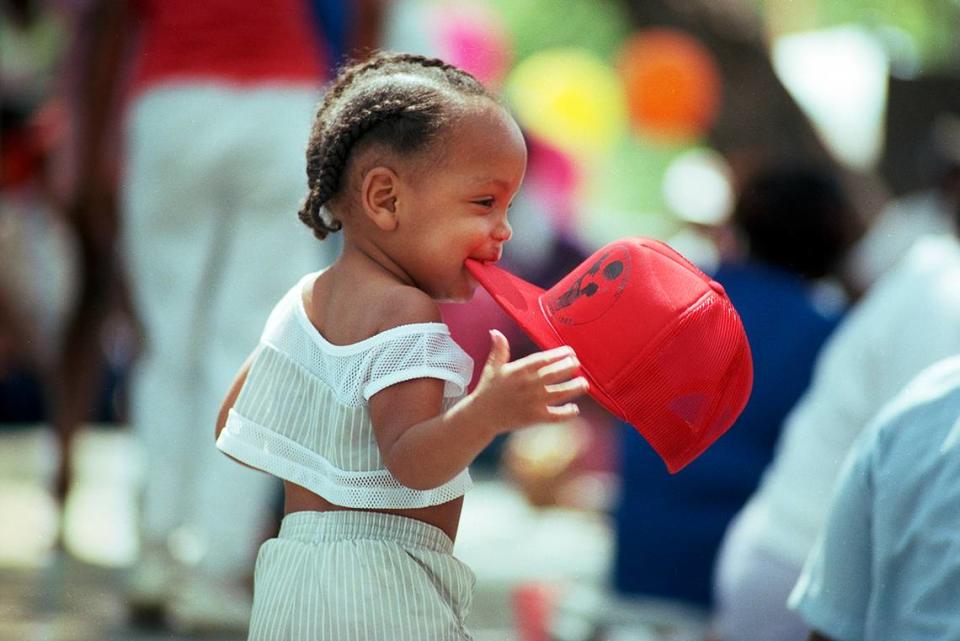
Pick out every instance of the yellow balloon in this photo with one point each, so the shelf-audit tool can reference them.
(569, 97)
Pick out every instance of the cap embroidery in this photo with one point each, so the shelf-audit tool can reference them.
(602, 284)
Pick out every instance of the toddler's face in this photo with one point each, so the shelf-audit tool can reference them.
(458, 210)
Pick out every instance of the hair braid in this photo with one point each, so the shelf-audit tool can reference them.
(363, 103)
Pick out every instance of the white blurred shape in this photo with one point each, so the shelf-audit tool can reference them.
(187, 545)
(696, 247)
(28, 512)
(38, 267)
(28, 526)
(697, 187)
(838, 77)
(100, 515)
(407, 27)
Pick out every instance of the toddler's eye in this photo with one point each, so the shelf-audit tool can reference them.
(484, 202)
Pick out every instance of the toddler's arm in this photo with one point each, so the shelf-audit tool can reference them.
(424, 448)
(231, 398)
(232, 393)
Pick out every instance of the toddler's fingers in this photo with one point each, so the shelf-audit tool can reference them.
(540, 359)
(558, 371)
(499, 349)
(563, 412)
(566, 391)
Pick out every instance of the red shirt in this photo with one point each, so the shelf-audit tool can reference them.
(236, 41)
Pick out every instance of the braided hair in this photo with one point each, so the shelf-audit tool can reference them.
(398, 100)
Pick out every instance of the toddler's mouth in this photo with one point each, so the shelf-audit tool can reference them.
(490, 258)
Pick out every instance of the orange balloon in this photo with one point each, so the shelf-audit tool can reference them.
(672, 83)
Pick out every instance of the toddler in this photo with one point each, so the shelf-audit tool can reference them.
(355, 395)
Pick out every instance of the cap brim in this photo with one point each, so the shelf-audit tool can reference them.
(519, 299)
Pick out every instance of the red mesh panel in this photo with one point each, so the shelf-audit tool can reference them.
(688, 389)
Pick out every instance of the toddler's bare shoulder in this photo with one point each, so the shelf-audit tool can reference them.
(406, 305)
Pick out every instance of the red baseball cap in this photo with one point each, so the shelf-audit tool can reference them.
(658, 340)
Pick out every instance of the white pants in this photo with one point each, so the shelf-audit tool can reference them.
(359, 576)
(214, 179)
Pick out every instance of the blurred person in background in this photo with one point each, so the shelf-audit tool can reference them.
(906, 321)
(885, 566)
(792, 227)
(217, 112)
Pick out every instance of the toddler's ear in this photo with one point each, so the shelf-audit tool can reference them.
(378, 194)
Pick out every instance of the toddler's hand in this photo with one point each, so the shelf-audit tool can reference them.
(533, 389)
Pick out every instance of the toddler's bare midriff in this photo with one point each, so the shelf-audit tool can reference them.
(445, 516)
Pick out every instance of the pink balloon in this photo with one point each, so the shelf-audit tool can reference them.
(474, 39)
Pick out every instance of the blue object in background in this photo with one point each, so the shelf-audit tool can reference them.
(22, 398)
(332, 19)
(24, 401)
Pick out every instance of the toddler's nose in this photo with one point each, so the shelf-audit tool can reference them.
(503, 232)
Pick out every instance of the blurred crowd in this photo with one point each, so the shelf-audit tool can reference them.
(150, 148)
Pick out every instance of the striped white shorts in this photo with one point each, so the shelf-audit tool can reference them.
(360, 576)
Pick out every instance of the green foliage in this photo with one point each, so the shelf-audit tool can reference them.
(597, 25)
(933, 25)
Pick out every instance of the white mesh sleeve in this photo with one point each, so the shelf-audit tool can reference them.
(420, 355)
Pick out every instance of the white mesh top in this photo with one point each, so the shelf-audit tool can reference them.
(302, 413)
